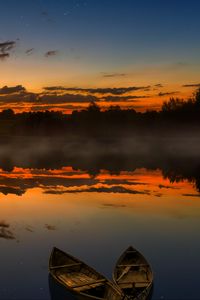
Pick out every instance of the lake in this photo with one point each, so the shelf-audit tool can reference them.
(95, 215)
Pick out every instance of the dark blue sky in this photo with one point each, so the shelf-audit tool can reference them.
(144, 28)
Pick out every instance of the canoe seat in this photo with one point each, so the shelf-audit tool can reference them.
(134, 283)
(89, 287)
(141, 284)
(132, 265)
(88, 283)
(65, 266)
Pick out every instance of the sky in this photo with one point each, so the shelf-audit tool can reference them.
(62, 54)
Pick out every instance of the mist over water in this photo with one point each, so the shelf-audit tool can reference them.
(176, 156)
(24, 151)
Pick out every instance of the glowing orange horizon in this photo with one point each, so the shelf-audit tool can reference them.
(150, 100)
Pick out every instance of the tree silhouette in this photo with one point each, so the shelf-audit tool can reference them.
(197, 97)
(93, 108)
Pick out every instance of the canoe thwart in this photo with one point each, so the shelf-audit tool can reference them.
(132, 265)
(65, 266)
(88, 283)
(136, 282)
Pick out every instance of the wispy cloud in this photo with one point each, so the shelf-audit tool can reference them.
(161, 186)
(29, 228)
(114, 91)
(50, 227)
(5, 190)
(161, 94)
(192, 85)
(123, 98)
(51, 53)
(5, 49)
(3, 224)
(4, 55)
(46, 16)
(44, 13)
(29, 51)
(66, 98)
(10, 90)
(111, 75)
(191, 195)
(20, 94)
(158, 85)
(122, 181)
(112, 205)
(113, 189)
(7, 46)
(5, 232)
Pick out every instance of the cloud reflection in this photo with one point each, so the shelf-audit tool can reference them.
(5, 231)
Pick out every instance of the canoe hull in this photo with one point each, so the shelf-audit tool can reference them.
(133, 275)
(80, 279)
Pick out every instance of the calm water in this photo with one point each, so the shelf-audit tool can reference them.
(95, 217)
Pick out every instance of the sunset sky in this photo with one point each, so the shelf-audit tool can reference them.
(63, 54)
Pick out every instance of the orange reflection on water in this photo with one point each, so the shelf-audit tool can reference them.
(141, 181)
(50, 200)
(138, 183)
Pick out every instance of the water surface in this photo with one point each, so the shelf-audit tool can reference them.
(95, 218)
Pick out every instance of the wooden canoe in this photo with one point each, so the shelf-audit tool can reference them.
(133, 275)
(80, 279)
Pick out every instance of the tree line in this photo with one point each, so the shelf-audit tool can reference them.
(176, 114)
